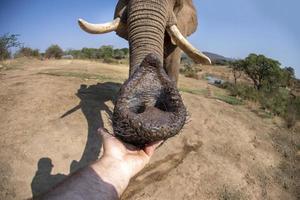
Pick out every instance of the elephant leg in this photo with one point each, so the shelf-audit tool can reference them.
(172, 64)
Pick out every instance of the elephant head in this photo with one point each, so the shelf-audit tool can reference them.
(149, 107)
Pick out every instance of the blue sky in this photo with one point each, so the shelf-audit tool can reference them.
(233, 28)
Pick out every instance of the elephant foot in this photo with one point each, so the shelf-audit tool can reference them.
(149, 107)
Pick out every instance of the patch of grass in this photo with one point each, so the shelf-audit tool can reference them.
(263, 113)
(11, 66)
(194, 91)
(82, 75)
(190, 71)
(229, 99)
(204, 92)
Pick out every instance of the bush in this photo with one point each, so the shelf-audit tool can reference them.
(189, 71)
(292, 114)
(54, 51)
(110, 61)
(28, 52)
(241, 90)
(279, 102)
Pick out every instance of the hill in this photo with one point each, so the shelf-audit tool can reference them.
(216, 58)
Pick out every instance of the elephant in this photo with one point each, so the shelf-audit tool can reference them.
(149, 107)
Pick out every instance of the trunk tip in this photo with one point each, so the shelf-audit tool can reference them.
(152, 60)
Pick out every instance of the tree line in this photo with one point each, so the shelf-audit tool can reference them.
(8, 41)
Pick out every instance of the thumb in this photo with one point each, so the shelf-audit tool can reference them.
(149, 149)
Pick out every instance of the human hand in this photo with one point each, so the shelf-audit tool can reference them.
(121, 161)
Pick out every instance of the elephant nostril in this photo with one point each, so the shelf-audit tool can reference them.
(141, 109)
(161, 106)
(138, 109)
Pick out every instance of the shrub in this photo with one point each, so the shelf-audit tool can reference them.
(229, 99)
(241, 90)
(110, 61)
(279, 102)
(54, 51)
(189, 71)
(292, 114)
(27, 52)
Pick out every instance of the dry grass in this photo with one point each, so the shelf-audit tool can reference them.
(84, 76)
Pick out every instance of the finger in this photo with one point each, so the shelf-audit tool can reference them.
(149, 149)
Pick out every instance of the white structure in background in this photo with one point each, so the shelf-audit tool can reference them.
(70, 57)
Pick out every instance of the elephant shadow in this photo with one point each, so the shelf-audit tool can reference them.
(92, 102)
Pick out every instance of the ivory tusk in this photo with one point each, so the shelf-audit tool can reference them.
(99, 28)
(186, 46)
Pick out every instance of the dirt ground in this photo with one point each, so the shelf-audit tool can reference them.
(50, 111)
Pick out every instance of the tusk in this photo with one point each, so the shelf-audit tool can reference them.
(99, 28)
(186, 46)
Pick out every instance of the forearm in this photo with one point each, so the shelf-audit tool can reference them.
(113, 172)
(108, 177)
(85, 184)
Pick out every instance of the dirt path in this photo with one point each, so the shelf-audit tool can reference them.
(50, 111)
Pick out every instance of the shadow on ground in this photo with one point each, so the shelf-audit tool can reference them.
(92, 102)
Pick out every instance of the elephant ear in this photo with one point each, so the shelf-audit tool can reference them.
(186, 16)
(121, 11)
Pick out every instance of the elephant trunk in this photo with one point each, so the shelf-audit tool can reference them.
(147, 21)
(149, 107)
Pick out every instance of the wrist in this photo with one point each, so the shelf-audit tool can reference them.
(113, 172)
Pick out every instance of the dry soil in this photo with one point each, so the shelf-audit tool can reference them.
(50, 111)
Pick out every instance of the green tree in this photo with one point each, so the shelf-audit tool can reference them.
(86, 53)
(288, 77)
(27, 52)
(236, 69)
(119, 54)
(54, 51)
(125, 51)
(106, 51)
(75, 53)
(261, 70)
(291, 71)
(8, 41)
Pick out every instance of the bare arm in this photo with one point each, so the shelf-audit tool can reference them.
(108, 177)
